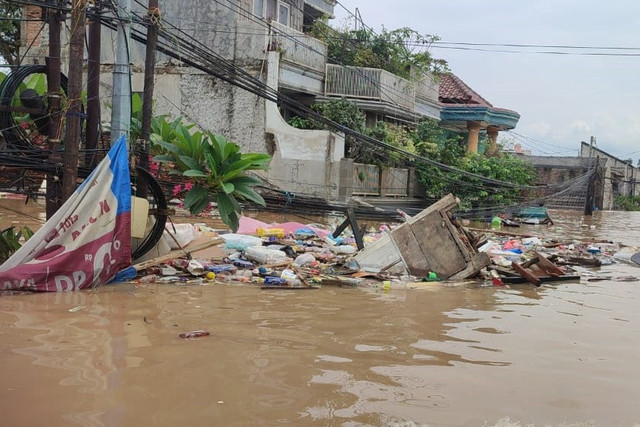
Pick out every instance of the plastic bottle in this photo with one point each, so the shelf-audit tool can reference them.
(289, 275)
(270, 232)
(149, 278)
(274, 281)
(496, 222)
(167, 279)
(220, 268)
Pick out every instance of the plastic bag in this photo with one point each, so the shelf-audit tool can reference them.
(183, 235)
(240, 242)
(264, 255)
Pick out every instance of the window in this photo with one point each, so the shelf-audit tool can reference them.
(283, 13)
(258, 8)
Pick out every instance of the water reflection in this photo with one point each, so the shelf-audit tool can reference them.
(438, 355)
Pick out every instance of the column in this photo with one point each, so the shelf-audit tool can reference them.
(472, 138)
(492, 133)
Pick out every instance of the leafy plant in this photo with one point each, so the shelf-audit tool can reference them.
(215, 166)
(10, 240)
(10, 31)
(300, 122)
(400, 51)
(627, 203)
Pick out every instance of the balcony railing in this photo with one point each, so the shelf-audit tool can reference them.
(369, 83)
(298, 48)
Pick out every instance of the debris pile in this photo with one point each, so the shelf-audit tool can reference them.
(431, 246)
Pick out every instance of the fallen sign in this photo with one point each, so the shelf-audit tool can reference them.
(427, 242)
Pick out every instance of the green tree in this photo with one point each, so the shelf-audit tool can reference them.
(10, 31)
(216, 168)
(402, 51)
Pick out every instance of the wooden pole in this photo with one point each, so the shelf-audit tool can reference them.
(153, 18)
(74, 98)
(591, 188)
(93, 90)
(54, 188)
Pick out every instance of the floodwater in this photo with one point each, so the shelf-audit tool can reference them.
(563, 354)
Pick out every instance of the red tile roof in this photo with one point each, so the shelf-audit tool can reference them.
(455, 91)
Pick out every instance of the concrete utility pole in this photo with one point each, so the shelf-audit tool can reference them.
(153, 18)
(54, 188)
(121, 99)
(74, 98)
(93, 89)
(591, 187)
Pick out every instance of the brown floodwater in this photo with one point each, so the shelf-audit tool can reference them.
(442, 355)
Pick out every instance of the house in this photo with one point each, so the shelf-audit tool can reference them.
(465, 111)
(620, 177)
(263, 40)
(567, 178)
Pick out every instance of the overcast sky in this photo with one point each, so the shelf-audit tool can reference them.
(562, 99)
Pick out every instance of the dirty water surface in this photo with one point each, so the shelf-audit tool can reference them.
(442, 355)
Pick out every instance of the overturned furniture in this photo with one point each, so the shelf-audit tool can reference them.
(427, 242)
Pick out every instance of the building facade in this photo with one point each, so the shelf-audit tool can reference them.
(264, 41)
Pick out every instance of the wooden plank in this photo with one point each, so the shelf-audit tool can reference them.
(543, 279)
(526, 274)
(503, 271)
(455, 234)
(445, 204)
(410, 250)
(178, 253)
(548, 266)
(438, 245)
(477, 263)
(499, 233)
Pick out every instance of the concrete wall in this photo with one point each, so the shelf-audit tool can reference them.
(562, 176)
(304, 161)
(620, 177)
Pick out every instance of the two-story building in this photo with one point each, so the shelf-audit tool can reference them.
(265, 39)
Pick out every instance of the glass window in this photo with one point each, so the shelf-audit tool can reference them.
(258, 8)
(283, 13)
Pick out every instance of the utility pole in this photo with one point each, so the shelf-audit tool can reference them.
(93, 88)
(153, 20)
(121, 99)
(54, 189)
(591, 187)
(74, 98)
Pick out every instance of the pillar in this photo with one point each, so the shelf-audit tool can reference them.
(472, 138)
(492, 133)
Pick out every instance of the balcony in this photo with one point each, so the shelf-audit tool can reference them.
(370, 84)
(297, 48)
(302, 59)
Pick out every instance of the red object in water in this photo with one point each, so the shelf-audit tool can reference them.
(194, 334)
(497, 281)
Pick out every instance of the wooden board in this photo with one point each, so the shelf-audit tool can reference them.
(438, 245)
(526, 274)
(548, 266)
(178, 253)
(407, 244)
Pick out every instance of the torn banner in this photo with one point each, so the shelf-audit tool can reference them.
(87, 241)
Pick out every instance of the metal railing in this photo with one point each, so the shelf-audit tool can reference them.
(369, 83)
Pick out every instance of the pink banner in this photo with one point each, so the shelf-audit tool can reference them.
(86, 242)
